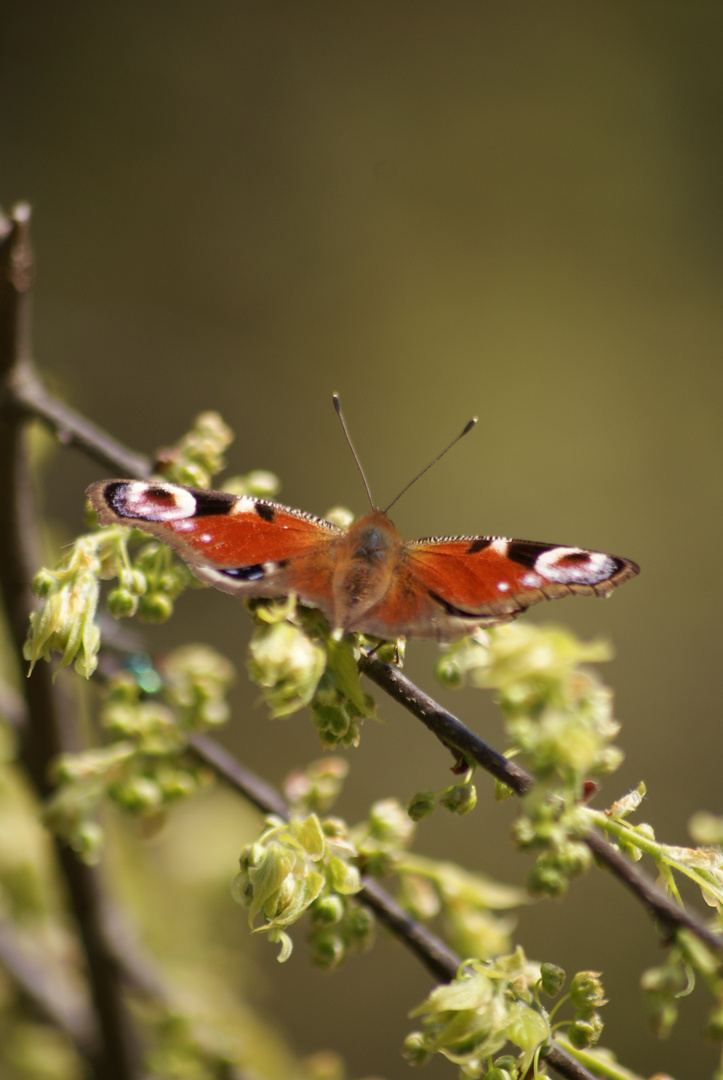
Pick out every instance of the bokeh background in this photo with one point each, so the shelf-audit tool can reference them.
(505, 209)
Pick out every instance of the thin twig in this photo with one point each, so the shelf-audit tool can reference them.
(660, 906)
(441, 962)
(25, 393)
(448, 729)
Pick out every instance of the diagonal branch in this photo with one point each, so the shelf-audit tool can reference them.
(448, 729)
(441, 962)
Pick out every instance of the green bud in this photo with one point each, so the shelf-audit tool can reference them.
(523, 832)
(191, 475)
(586, 991)
(460, 799)
(669, 979)
(358, 927)
(88, 841)
(448, 671)
(415, 1049)
(421, 805)
(262, 484)
(43, 582)
(122, 603)
(389, 823)
(327, 949)
(585, 1031)
(378, 863)
(328, 910)
(574, 859)
(546, 880)
(552, 979)
(139, 794)
(155, 607)
(176, 783)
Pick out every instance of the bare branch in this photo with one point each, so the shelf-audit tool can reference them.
(50, 728)
(448, 729)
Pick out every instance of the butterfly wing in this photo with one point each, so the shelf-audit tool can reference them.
(445, 587)
(245, 546)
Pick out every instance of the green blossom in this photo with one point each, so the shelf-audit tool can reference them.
(488, 1004)
(292, 866)
(65, 624)
(286, 664)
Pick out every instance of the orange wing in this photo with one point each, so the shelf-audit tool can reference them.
(445, 587)
(241, 545)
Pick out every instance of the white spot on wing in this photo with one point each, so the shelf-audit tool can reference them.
(245, 504)
(591, 569)
(139, 503)
(499, 545)
(503, 586)
(531, 581)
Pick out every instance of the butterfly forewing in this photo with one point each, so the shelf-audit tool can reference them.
(488, 578)
(240, 544)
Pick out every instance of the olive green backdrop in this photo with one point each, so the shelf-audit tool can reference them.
(437, 209)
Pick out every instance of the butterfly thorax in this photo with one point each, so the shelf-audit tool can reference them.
(364, 567)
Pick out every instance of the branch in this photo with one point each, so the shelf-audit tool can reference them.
(660, 906)
(448, 729)
(51, 721)
(46, 984)
(442, 963)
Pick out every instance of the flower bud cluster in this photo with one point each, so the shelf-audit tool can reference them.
(198, 456)
(66, 622)
(587, 996)
(304, 865)
(296, 661)
(383, 837)
(460, 799)
(558, 714)
(469, 1020)
(145, 766)
(559, 718)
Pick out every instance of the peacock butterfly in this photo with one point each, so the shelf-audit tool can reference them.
(365, 578)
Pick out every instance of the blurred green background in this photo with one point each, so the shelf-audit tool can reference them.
(505, 209)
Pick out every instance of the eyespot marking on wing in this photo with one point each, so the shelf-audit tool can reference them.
(576, 566)
(156, 502)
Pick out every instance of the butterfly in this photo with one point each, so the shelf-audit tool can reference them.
(365, 578)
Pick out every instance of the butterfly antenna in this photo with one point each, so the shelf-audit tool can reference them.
(467, 427)
(340, 414)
